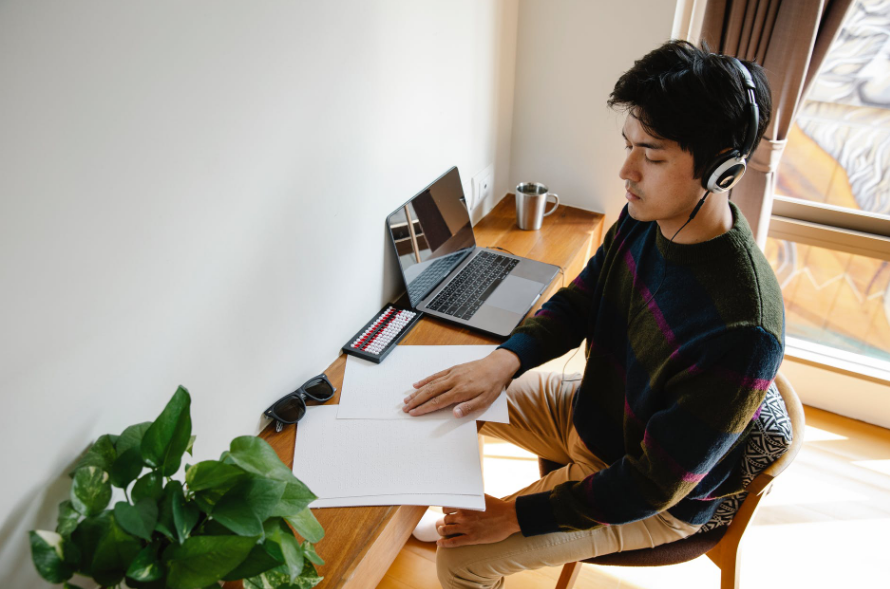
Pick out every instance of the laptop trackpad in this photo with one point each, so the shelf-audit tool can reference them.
(514, 294)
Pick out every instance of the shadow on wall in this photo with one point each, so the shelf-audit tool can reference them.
(38, 510)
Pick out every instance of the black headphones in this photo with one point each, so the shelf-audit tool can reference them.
(728, 168)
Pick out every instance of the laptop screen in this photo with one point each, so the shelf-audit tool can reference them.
(432, 234)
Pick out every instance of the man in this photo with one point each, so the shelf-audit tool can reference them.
(684, 324)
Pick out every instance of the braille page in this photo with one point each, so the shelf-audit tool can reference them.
(377, 391)
(474, 502)
(365, 457)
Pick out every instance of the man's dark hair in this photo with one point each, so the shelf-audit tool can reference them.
(694, 97)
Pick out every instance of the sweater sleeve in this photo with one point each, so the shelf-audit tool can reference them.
(712, 398)
(561, 324)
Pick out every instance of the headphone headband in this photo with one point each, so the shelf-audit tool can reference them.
(727, 169)
(753, 111)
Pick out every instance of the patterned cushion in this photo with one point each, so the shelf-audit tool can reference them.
(769, 439)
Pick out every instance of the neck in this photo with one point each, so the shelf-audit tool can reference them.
(712, 220)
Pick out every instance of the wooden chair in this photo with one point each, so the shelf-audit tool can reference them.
(723, 544)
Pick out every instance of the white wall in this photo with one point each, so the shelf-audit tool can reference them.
(569, 55)
(184, 188)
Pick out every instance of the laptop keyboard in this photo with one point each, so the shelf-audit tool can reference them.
(467, 292)
(431, 277)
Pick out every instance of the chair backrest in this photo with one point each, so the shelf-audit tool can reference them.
(756, 489)
(796, 415)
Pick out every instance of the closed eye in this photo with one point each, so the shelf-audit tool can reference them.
(629, 147)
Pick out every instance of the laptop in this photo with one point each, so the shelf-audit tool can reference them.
(448, 276)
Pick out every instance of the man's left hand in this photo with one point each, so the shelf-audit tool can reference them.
(496, 523)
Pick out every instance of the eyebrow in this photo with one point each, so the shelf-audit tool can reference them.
(645, 144)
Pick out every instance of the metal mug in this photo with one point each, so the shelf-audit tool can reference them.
(531, 197)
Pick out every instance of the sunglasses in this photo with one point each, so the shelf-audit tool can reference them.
(291, 408)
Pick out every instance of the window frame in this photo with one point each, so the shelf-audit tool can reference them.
(830, 227)
(841, 229)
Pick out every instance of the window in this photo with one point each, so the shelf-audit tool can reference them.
(830, 231)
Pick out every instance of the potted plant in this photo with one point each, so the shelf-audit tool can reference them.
(231, 519)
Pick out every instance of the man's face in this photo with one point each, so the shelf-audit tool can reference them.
(658, 177)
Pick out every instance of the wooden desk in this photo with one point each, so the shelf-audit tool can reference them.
(360, 543)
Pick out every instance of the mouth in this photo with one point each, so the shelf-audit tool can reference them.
(629, 195)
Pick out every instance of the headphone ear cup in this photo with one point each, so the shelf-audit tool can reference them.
(725, 172)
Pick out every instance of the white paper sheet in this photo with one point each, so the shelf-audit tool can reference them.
(377, 391)
(474, 502)
(365, 458)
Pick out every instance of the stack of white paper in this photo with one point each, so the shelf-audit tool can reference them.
(374, 462)
(367, 451)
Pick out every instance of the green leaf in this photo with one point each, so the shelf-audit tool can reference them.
(309, 552)
(257, 562)
(281, 544)
(67, 585)
(202, 560)
(306, 525)
(166, 439)
(101, 454)
(190, 445)
(138, 519)
(48, 554)
(256, 456)
(185, 516)
(208, 498)
(294, 500)
(308, 578)
(126, 468)
(212, 473)
(146, 566)
(68, 519)
(244, 508)
(114, 553)
(279, 578)
(131, 437)
(149, 485)
(211, 527)
(86, 537)
(165, 524)
(91, 490)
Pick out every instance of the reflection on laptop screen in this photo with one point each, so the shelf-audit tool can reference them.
(432, 234)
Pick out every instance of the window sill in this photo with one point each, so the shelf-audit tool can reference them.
(834, 360)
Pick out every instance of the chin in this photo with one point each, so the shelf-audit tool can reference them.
(635, 213)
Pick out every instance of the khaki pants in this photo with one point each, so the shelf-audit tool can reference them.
(541, 422)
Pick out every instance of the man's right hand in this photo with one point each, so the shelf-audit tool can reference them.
(472, 386)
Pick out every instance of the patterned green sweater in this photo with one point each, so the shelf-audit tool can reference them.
(672, 381)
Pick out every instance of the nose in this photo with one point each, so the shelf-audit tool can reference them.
(630, 170)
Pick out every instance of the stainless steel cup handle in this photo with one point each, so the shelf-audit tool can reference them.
(555, 204)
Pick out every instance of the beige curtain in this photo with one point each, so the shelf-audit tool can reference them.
(789, 38)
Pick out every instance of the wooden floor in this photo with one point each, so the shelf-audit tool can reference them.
(825, 524)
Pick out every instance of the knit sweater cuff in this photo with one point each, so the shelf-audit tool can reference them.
(535, 514)
(526, 348)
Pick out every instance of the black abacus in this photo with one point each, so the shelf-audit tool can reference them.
(381, 334)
